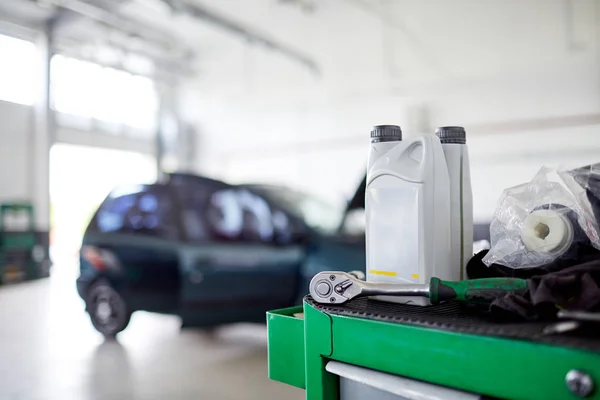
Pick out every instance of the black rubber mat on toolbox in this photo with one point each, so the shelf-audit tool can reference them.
(458, 317)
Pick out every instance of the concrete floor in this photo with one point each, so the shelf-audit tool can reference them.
(49, 350)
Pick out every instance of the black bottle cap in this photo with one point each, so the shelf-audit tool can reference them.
(452, 134)
(386, 133)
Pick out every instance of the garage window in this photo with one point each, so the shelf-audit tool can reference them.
(91, 91)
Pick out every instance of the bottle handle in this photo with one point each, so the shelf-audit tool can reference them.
(416, 152)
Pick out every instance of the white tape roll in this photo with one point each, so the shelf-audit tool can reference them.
(547, 231)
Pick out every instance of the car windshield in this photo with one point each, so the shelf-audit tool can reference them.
(316, 213)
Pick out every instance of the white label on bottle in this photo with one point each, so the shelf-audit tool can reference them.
(393, 232)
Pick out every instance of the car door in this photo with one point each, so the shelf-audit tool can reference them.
(137, 230)
(237, 262)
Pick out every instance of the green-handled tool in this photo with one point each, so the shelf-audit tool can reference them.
(338, 287)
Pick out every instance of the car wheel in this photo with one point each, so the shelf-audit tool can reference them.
(107, 309)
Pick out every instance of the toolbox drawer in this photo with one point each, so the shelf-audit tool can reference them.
(286, 346)
(362, 383)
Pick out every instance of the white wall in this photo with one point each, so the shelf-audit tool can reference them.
(522, 77)
(16, 123)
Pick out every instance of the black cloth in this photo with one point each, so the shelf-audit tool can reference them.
(477, 269)
(569, 284)
(588, 178)
(593, 195)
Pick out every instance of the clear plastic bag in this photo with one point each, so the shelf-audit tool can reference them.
(536, 223)
(584, 185)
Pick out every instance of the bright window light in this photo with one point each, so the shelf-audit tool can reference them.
(17, 68)
(89, 90)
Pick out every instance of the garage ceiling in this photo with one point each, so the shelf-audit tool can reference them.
(355, 43)
(400, 42)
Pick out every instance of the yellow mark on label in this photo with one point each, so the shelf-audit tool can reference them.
(415, 276)
(386, 273)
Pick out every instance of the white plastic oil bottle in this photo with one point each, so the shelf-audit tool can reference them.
(407, 211)
(454, 143)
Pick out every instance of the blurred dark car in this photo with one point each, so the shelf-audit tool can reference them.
(210, 252)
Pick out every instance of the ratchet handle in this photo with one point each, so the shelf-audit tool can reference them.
(482, 291)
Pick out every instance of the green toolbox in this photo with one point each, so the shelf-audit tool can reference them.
(18, 244)
(376, 350)
(286, 346)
